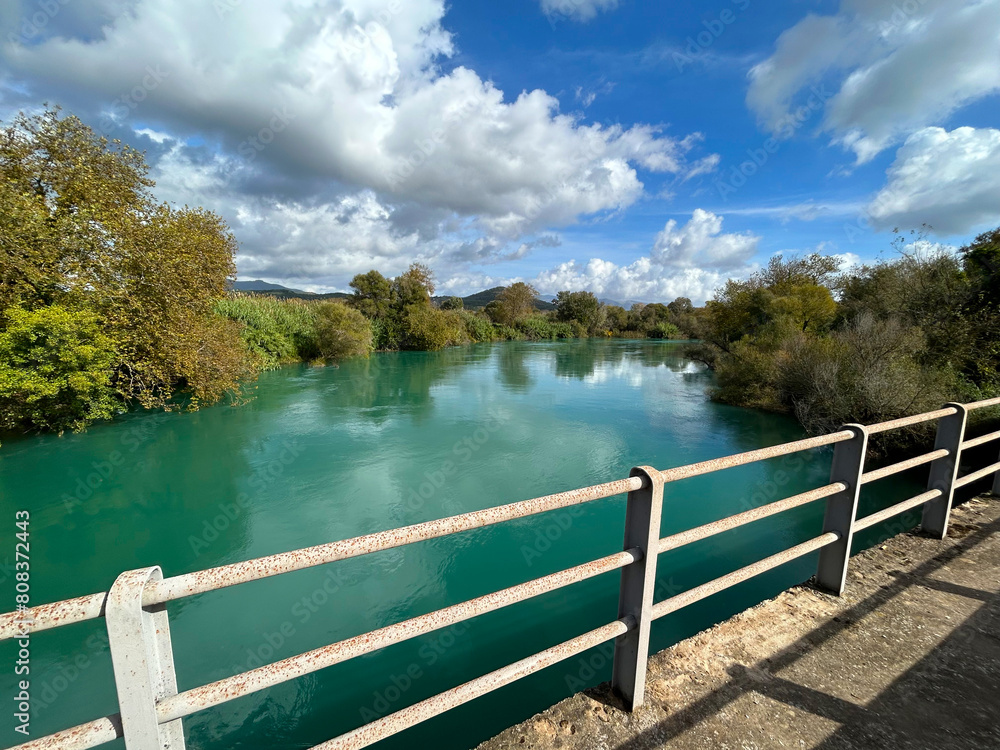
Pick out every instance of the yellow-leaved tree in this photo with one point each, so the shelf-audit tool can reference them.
(81, 231)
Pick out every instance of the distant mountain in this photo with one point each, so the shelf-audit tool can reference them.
(627, 304)
(479, 300)
(281, 292)
(476, 301)
(262, 286)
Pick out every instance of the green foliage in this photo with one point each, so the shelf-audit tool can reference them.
(543, 328)
(372, 295)
(746, 377)
(616, 319)
(380, 335)
(414, 287)
(664, 330)
(514, 304)
(582, 308)
(869, 371)
(429, 329)
(453, 303)
(55, 370)
(907, 335)
(275, 331)
(342, 331)
(478, 327)
(81, 231)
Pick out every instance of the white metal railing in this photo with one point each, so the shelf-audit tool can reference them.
(152, 710)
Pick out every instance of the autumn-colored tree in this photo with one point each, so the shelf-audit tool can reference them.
(413, 287)
(342, 331)
(79, 228)
(516, 302)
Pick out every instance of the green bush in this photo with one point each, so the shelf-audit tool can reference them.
(507, 333)
(55, 370)
(426, 328)
(478, 327)
(542, 328)
(275, 331)
(664, 331)
(342, 331)
(746, 376)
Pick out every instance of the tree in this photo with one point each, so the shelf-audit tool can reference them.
(413, 287)
(515, 303)
(428, 329)
(981, 262)
(581, 307)
(372, 294)
(55, 370)
(342, 331)
(681, 306)
(80, 229)
(66, 196)
(924, 289)
(616, 317)
(453, 303)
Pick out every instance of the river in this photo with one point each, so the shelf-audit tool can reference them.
(321, 454)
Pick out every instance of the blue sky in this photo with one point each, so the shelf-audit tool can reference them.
(643, 150)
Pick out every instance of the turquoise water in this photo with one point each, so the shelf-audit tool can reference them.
(322, 454)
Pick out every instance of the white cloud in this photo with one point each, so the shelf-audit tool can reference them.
(894, 67)
(686, 261)
(701, 244)
(949, 180)
(348, 90)
(331, 121)
(577, 10)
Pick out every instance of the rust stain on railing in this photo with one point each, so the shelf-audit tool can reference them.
(265, 567)
(888, 471)
(198, 699)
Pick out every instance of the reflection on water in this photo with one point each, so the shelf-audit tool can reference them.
(330, 453)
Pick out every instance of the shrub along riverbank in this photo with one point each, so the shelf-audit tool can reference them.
(871, 344)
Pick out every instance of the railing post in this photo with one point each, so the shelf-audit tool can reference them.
(638, 582)
(944, 471)
(996, 481)
(842, 509)
(143, 662)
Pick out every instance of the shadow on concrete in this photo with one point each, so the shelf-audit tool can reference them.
(949, 699)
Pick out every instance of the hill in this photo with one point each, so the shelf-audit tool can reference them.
(476, 301)
(281, 292)
(479, 300)
(258, 285)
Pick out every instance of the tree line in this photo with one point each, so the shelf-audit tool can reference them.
(389, 314)
(876, 342)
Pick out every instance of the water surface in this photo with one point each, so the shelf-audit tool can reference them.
(323, 454)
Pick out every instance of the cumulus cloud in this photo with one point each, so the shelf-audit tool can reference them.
(577, 10)
(891, 67)
(315, 119)
(685, 261)
(949, 180)
(339, 89)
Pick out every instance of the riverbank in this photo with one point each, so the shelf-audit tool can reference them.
(907, 658)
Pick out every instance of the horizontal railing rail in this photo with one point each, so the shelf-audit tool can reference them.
(152, 710)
